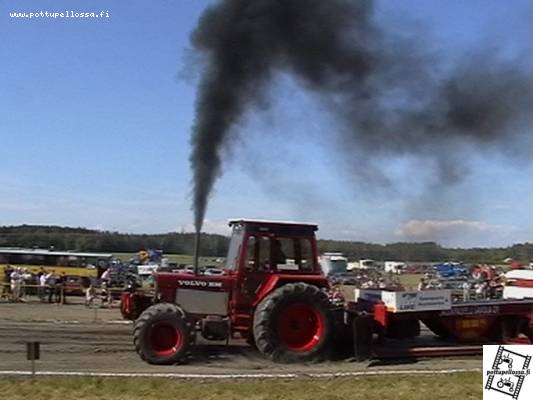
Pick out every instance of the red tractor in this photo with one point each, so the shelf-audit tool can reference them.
(271, 293)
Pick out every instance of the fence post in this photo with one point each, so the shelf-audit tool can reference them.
(33, 352)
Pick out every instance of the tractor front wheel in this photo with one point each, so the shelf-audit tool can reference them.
(161, 335)
(293, 323)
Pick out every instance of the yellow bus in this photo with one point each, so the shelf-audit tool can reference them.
(71, 263)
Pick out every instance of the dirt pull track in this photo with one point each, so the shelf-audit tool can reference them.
(72, 341)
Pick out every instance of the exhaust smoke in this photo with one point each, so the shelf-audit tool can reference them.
(388, 96)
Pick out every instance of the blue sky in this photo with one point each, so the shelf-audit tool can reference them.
(95, 120)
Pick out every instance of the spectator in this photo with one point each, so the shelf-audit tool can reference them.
(59, 289)
(90, 295)
(27, 280)
(105, 277)
(42, 286)
(16, 281)
(105, 294)
(6, 287)
(50, 285)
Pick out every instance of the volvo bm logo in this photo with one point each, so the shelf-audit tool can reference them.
(197, 283)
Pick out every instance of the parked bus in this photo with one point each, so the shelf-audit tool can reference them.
(71, 263)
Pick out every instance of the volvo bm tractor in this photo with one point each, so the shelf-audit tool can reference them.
(271, 293)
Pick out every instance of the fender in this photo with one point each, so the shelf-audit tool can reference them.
(277, 280)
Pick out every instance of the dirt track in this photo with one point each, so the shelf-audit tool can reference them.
(71, 340)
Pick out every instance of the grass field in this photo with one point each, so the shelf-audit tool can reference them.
(397, 387)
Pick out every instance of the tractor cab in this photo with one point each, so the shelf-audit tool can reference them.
(271, 293)
(264, 255)
(276, 247)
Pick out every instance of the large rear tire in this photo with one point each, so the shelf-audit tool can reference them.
(161, 335)
(293, 324)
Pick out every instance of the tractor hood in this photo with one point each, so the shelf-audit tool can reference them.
(168, 282)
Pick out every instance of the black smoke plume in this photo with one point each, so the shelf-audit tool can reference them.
(390, 97)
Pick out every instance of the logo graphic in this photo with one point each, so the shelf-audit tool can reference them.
(506, 372)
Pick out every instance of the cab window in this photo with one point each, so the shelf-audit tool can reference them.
(234, 248)
(277, 253)
(258, 253)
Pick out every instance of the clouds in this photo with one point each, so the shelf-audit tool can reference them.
(454, 232)
(458, 233)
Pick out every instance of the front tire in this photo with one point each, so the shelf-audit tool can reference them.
(161, 335)
(293, 323)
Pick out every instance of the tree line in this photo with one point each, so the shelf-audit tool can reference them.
(82, 239)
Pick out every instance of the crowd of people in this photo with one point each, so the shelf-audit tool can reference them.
(19, 283)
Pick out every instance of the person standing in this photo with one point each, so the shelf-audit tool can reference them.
(6, 287)
(105, 277)
(16, 279)
(50, 285)
(90, 295)
(42, 286)
(59, 288)
(26, 280)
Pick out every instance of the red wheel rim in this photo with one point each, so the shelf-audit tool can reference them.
(300, 327)
(165, 339)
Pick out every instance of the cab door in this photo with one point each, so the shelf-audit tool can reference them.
(266, 255)
(255, 268)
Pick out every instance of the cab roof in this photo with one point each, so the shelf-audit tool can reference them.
(267, 223)
(276, 228)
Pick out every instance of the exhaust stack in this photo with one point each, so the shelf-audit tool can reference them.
(196, 251)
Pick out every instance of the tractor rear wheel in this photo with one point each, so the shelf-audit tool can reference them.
(293, 323)
(161, 335)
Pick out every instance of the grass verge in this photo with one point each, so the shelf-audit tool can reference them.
(420, 387)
